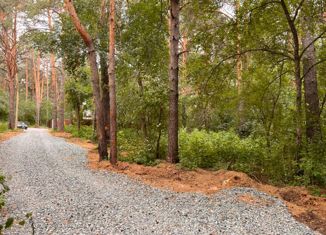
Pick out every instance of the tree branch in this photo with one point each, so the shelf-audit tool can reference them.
(297, 10)
(312, 66)
(312, 42)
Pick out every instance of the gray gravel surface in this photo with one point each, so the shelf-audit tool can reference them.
(49, 177)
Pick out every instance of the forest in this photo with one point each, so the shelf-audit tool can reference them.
(225, 84)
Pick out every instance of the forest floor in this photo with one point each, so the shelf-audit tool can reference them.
(9, 134)
(306, 208)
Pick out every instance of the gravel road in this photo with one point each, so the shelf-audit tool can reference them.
(48, 177)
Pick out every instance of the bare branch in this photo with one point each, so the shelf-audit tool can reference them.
(312, 66)
(312, 42)
(297, 10)
(182, 52)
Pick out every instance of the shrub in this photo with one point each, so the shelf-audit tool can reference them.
(218, 150)
(134, 148)
(313, 164)
(3, 127)
(85, 132)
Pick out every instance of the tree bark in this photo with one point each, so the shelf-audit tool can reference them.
(26, 80)
(158, 141)
(173, 82)
(239, 69)
(313, 128)
(36, 68)
(78, 117)
(143, 121)
(113, 105)
(54, 85)
(100, 128)
(297, 75)
(105, 93)
(104, 67)
(61, 111)
(17, 100)
(9, 47)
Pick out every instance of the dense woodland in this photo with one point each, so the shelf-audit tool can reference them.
(229, 84)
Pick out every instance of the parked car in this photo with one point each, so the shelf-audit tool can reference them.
(22, 125)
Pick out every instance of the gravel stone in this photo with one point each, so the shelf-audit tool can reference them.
(2, 189)
(48, 177)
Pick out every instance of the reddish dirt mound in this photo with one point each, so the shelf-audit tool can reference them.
(305, 207)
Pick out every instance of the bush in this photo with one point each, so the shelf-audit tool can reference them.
(313, 164)
(3, 127)
(134, 148)
(217, 150)
(85, 132)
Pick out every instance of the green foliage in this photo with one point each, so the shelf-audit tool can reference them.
(313, 164)
(27, 111)
(134, 148)
(3, 127)
(9, 223)
(85, 132)
(218, 150)
(3, 105)
(79, 91)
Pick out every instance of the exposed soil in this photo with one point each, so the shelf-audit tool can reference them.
(306, 208)
(9, 134)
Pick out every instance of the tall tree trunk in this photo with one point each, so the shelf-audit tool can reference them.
(113, 105)
(105, 92)
(47, 92)
(100, 128)
(17, 100)
(313, 128)
(54, 85)
(184, 74)
(12, 93)
(173, 82)
(78, 117)
(36, 68)
(143, 121)
(104, 67)
(239, 69)
(26, 80)
(9, 47)
(158, 141)
(297, 75)
(61, 111)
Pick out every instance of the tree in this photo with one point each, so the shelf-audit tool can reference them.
(54, 83)
(173, 82)
(61, 107)
(8, 39)
(312, 108)
(37, 83)
(102, 149)
(113, 105)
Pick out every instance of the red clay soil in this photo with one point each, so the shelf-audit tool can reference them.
(306, 208)
(9, 134)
